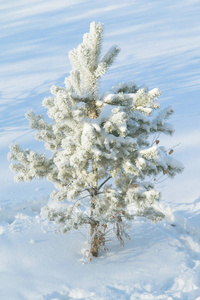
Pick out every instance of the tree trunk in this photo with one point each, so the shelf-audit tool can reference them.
(94, 226)
(92, 112)
(94, 238)
(95, 242)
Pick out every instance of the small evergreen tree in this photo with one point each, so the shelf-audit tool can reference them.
(102, 160)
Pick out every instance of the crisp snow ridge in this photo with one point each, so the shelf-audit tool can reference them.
(160, 47)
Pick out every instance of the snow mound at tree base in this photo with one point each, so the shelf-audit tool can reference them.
(161, 261)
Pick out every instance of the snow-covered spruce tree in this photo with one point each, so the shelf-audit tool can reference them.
(104, 160)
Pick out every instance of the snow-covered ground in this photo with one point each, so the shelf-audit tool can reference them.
(160, 261)
(160, 44)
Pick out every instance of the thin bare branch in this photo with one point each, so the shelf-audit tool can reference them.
(104, 183)
(173, 146)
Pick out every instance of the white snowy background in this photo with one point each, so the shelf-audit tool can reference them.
(160, 47)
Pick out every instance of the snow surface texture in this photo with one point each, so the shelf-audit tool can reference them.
(160, 47)
(161, 261)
